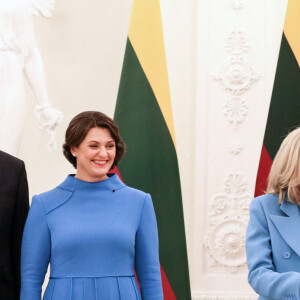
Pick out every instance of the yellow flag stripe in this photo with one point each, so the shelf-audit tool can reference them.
(292, 27)
(146, 37)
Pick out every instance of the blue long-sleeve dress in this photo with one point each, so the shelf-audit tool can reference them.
(93, 234)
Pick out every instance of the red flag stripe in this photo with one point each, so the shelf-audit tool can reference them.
(167, 289)
(263, 172)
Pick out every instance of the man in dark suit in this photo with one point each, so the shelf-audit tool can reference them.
(14, 205)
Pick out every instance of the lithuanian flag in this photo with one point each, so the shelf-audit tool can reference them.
(144, 115)
(284, 112)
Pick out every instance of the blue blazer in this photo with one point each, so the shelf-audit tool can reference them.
(273, 248)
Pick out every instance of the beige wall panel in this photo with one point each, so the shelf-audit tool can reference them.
(238, 45)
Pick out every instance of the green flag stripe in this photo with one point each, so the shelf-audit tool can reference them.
(150, 164)
(284, 113)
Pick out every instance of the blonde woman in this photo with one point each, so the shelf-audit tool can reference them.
(273, 239)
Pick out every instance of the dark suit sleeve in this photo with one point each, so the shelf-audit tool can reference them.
(19, 218)
(146, 254)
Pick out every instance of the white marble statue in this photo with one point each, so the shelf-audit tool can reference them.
(20, 55)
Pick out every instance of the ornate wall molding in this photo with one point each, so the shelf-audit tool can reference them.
(237, 4)
(237, 42)
(239, 60)
(236, 75)
(235, 148)
(228, 218)
(235, 110)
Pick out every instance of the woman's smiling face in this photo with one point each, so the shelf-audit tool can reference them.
(95, 155)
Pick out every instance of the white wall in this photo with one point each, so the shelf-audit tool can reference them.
(83, 47)
(237, 49)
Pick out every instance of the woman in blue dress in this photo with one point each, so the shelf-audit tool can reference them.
(273, 239)
(93, 229)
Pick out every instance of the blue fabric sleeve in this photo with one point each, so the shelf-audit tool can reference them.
(35, 255)
(262, 274)
(146, 254)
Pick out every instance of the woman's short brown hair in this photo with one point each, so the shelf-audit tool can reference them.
(79, 127)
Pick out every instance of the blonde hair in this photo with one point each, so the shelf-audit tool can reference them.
(285, 171)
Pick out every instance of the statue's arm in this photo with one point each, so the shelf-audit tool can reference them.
(47, 117)
(35, 73)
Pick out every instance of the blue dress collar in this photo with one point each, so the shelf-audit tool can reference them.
(113, 183)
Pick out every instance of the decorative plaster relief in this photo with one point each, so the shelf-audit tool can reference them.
(235, 185)
(235, 148)
(237, 4)
(237, 42)
(237, 75)
(228, 218)
(226, 243)
(235, 110)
